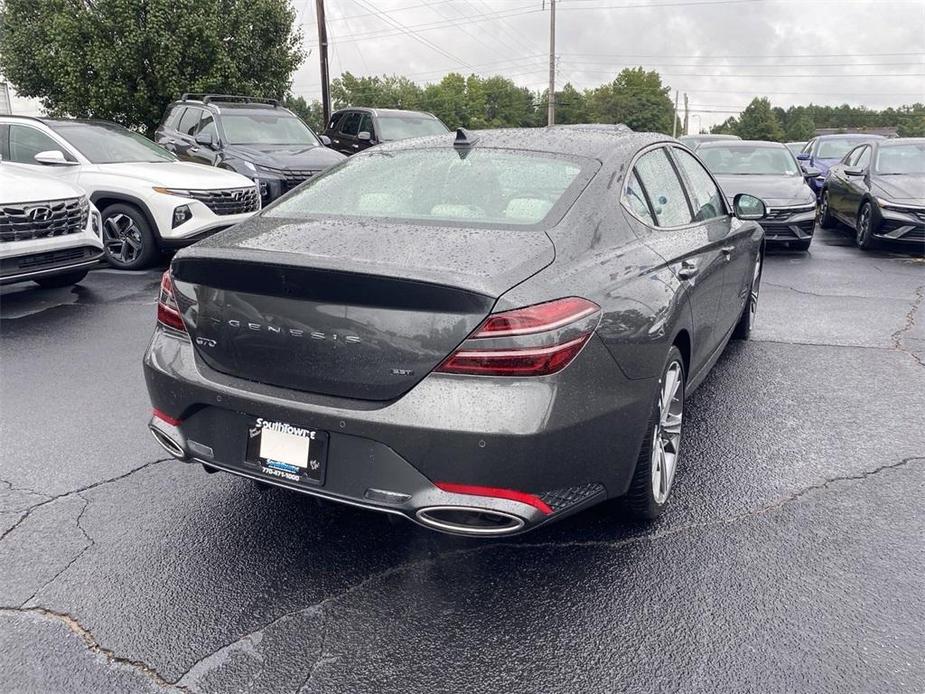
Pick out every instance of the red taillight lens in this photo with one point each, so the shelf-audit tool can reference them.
(168, 313)
(537, 340)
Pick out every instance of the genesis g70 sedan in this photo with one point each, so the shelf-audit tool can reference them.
(480, 331)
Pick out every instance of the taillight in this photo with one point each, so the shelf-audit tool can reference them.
(533, 341)
(168, 313)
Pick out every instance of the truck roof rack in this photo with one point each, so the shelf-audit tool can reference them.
(235, 98)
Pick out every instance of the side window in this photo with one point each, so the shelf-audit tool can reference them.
(4, 142)
(207, 125)
(173, 120)
(808, 147)
(862, 161)
(706, 197)
(189, 121)
(350, 125)
(634, 197)
(661, 182)
(335, 119)
(26, 142)
(366, 125)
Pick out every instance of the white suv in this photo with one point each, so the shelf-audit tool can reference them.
(49, 230)
(149, 201)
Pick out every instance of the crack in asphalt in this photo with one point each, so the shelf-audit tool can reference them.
(321, 659)
(51, 499)
(819, 344)
(897, 336)
(92, 644)
(90, 543)
(401, 568)
(822, 296)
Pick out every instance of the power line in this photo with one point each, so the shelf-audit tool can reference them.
(409, 31)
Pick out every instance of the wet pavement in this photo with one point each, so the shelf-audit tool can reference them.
(790, 558)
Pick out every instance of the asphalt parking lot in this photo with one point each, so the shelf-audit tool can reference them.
(790, 558)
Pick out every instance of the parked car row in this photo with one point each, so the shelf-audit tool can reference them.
(151, 197)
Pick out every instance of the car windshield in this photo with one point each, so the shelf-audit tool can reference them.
(393, 126)
(901, 159)
(266, 129)
(108, 143)
(484, 187)
(836, 149)
(749, 161)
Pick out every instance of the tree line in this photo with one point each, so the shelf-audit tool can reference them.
(126, 60)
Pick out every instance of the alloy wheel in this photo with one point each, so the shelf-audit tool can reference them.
(824, 205)
(666, 436)
(122, 238)
(753, 294)
(864, 220)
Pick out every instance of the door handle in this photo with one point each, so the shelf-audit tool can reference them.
(355, 146)
(688, 270)
(727, 251)
(193, 149)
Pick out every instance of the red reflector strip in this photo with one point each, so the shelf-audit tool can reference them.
(172, 421)
(539, 361)
(497, 493)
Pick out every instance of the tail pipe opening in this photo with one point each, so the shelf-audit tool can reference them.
(168, 444)
(465, 520)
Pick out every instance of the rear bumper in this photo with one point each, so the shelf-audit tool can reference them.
(567, 441)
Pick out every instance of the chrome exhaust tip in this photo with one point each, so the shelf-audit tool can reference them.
(168, 444)
(469, 520)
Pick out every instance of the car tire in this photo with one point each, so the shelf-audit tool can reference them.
(65, 279)
(826, 220)
(864, 228)
(128, 241)
(652, 481)
(801, 245)
(743, 328)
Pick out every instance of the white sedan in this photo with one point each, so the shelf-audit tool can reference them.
(149, 201)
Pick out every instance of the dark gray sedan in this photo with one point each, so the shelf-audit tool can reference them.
(767, 170)
(481, 332)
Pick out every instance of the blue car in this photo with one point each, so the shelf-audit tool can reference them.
(824, 151)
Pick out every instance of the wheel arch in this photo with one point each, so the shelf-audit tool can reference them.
(682, 340)
(103, 199)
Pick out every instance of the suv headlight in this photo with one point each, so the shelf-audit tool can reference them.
(173, 191)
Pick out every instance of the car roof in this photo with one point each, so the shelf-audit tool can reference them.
(591, 141)
(384, 111)
(717, 144)
(850, 136)
(902, 141)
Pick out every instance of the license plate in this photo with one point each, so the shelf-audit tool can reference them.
(287, 451)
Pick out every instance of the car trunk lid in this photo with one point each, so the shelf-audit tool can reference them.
(356, 310)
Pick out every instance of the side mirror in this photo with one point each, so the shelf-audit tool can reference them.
(811, 173)
(803, 156)
(365, 136)
(325, 140)
(205, 139)
(748, 207)
(53, 157)
(853, 171)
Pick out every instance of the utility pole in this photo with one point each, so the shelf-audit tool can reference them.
(686, 116)
(551, 109)
(674, 116)
(323, 56)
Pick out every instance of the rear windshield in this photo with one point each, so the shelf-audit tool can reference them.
(749, 161)
(400, 127)
(901, 159)
(836, 149)
(486, 187)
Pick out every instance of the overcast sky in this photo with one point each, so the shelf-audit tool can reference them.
(721, 52)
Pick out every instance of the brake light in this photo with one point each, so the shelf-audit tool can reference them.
(168, 313)
(537, 340)
(164, 417)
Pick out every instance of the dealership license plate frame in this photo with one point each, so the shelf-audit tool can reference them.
(301, 453)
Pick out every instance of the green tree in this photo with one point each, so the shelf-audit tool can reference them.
(801, 129)
(727, 127)
(125, 60)
(913, 126)
(571, 106)
(759, 122)
(637, 98)
(312, 113)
